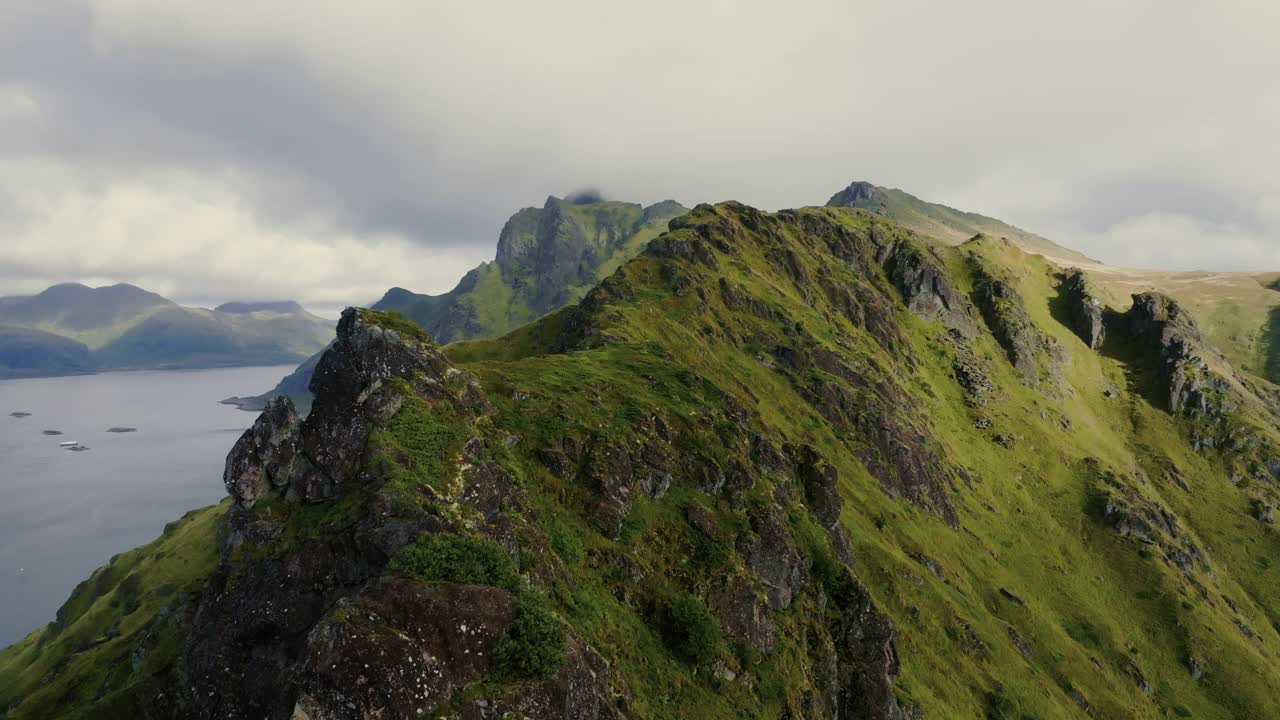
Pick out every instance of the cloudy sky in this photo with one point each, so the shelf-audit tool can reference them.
(325, 150)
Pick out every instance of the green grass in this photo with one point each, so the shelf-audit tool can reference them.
(421, 446)
(393, 320)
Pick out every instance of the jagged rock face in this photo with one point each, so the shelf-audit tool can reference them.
(867, 658)
(1173, 335)
(264, 457)
(772, 556)
(312, 460)
(1084, 309)
(926, 287)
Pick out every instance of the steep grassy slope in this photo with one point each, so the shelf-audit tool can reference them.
(798, 465)
(71, 328)
(117, 641)
(547, 257)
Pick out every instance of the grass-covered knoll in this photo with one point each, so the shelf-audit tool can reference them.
(115, 642)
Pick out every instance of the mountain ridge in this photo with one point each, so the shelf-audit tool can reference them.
(802, 464)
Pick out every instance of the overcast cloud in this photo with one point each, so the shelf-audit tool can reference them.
(326, 151)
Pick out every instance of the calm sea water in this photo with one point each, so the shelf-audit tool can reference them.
(63, 514)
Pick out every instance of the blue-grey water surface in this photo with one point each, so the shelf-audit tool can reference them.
(63, 513)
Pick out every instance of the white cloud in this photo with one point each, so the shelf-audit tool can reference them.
(196, 237)
(1160, 240)
(332, 134)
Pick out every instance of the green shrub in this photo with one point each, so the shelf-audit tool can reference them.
(564, 542)
(534, 644)
(712, 552)
(695, 634)
(452, 558)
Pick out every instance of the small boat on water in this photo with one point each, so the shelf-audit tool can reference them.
(69, 443)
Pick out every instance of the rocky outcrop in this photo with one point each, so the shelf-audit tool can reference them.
(865, 643)
(771, 555)
(1006, 316)
(1133, 514)
(313, 460)
(1171, 333)
(1222, 410)
(861, 194)
(1085, 311)
(272, 635)
(444, 636)
(926, 287)
(266, 457)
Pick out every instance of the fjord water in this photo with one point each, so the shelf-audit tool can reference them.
(64, 513)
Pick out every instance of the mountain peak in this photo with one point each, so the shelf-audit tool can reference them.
(859, 193)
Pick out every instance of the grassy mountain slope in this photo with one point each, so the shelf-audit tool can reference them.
(547, 257)
(81, 329)
(119, 634)
(943, 223)
(801, 465)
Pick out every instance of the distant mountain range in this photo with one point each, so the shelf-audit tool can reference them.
(73, 329)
